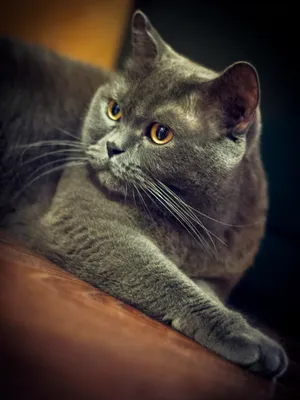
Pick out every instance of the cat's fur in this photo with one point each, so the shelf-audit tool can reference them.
(112, 221)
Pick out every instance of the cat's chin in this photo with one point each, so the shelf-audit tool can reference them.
(111, 182)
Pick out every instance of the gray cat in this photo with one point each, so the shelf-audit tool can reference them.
(162, 200)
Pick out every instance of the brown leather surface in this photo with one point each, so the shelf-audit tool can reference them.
(62, 339)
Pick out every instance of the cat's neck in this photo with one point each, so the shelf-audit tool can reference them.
(240, 201)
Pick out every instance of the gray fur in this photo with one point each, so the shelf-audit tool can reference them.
(123, 224)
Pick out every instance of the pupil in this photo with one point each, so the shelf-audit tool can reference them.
(161, 132)
(115, 109)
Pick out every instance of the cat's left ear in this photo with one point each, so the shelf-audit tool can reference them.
(237, 88)
(146, 42)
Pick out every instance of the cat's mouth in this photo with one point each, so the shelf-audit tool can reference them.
(106, 176)
(115, 175)
(117, 179)
(112, 183)
(97, 162)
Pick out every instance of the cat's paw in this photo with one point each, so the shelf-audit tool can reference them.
(253, 350)
(239, 343)
(270, 359)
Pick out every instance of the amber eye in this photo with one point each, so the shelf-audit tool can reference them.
(160, 134)
(114, 111)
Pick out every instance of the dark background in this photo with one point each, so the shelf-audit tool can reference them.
(216, 34)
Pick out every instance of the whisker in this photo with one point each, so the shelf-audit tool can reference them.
(205, 215)
(70, 164)
(174, 198)
(69, 134)
(133, 194)
(51, 153)
(180, 219)
(194, 217)
(223, 223)
(55, 162)
(191, 211)
(145, 190)
(144, 203)
(126, 188)
(67, 143)
(183, 219)
(187, 217)
(50, 143)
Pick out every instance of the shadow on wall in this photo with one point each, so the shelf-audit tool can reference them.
(216, 34)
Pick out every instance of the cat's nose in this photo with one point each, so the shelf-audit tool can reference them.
(113, 150)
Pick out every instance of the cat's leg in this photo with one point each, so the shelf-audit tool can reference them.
(130, 267)
(221, 286)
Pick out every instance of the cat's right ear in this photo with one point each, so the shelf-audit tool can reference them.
(147, 45)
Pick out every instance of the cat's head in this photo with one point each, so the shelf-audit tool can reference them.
(167, 119)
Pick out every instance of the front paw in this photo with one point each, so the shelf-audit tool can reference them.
(271, 360)
(235, 340)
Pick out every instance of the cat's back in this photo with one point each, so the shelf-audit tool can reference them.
(37, 82)
(42, 95)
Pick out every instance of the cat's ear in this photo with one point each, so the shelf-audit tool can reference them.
(237, 88)
(146, 42)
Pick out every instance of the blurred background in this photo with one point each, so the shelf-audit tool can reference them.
(89, 30)
(216, 34)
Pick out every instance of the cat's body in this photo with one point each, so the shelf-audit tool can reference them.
(41, 96)
(120, 227)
